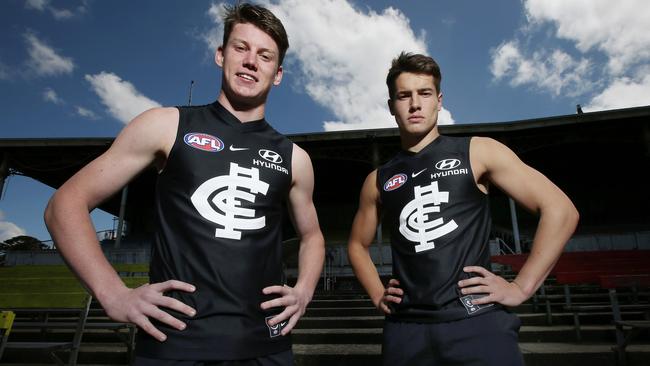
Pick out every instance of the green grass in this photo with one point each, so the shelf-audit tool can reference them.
(53, 286)
(60, 271)
(45, 285)
(70, 300)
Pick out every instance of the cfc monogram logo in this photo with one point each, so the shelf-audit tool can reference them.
(227, 193)
(415, 221)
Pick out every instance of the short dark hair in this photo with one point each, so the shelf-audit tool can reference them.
(413, 63)
(260, 17)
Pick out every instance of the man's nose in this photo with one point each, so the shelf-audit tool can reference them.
(250, 61)
(415, 103)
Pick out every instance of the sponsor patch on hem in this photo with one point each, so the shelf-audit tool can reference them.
(274, 330)
(472, 308)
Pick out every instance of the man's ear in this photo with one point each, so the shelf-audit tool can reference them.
(390, 107)
(439, 102)
(218, 56)
(278, 76)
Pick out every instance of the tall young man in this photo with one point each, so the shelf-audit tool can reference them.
(217, 290)
(443, 306)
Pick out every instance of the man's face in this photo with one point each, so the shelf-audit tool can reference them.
(250, 65)
(416, 103)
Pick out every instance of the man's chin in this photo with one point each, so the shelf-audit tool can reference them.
(241, 101)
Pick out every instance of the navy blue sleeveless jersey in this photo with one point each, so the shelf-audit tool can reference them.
(219, 206)
(439, 222)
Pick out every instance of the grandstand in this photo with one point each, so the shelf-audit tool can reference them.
(598, 159)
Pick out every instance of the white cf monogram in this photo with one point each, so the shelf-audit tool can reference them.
(227, 194)
(415, 221)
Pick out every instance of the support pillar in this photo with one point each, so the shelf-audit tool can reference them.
(4, 172)
(515, 225)
(120, 222)
(378, 236)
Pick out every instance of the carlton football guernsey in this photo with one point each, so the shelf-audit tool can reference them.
(219, 205)
(439, 223)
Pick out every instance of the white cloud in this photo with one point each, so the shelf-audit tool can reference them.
(49, 95)
(39, 5)
(214, 37)
(57, 13)
(342, 55)
(86, 113)
(120, 96)
(44, 61)
(4, 72)
(553, 71)
(8, 229)
(61, 14)
(617, 31)
(622, 93)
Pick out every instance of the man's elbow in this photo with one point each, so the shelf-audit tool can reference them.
(49, 213)
(572, 217)
(56, 210)
(355, 250)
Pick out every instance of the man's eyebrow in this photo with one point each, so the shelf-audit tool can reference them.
(262, 49)
(238, 40)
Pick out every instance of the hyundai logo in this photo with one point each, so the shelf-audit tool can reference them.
(270, 155)
(447, 164)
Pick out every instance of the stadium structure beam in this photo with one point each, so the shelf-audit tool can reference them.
(4, 172)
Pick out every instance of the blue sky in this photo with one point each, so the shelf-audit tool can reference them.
(85, 68)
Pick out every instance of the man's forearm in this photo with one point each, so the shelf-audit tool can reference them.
(553, 232)
(366, 272)
(310, 263)
(74, 236)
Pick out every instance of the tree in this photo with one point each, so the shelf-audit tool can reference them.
(22, 242)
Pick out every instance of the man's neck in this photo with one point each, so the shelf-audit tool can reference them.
(415, 143)
(243, 112)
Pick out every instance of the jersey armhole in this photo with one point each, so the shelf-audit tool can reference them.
(471, 169)
(172, 150)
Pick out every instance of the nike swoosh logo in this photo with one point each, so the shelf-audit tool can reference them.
(232, 148)
(413, 175)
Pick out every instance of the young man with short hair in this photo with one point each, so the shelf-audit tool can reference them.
(443, 306)
(217, 294)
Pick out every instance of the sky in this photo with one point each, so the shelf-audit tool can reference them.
(85, 68)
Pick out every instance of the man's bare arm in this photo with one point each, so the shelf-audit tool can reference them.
(557, 221)
(144, 141)
(312, 245)
(362, 234)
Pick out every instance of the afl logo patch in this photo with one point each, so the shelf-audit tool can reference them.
(447, 164)
(395, 182)
(203, 141)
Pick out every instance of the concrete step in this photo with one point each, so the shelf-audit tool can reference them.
(535, 354)
(346, 303)
(536, 334)
(376, 321)
(342, 311)
(325, 322)
(101, 354)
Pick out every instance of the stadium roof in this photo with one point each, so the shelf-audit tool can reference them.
(598, 158)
